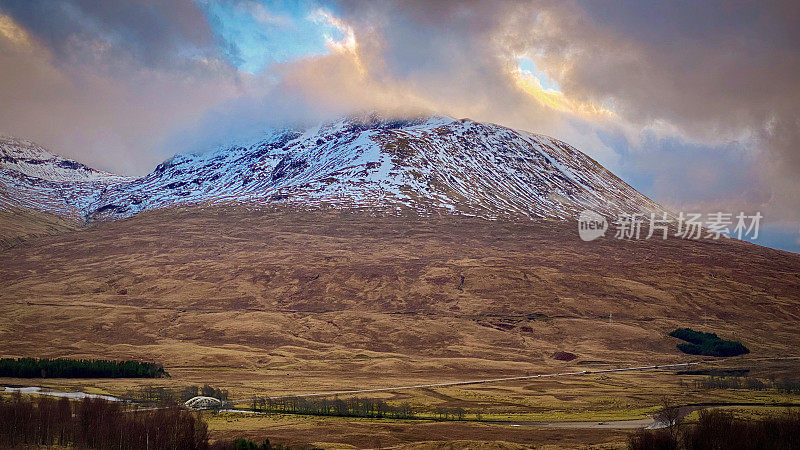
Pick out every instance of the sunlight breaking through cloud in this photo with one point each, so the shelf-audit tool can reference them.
(557, 100)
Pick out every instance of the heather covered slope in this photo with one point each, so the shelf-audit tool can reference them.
(346, 290)
(20, 224)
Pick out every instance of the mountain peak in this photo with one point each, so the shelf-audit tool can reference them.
(425, 163)
(26, 158)
(376, 120)
(12, 147)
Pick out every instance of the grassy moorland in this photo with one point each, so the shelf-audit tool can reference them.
(277, 302)
(19, 225)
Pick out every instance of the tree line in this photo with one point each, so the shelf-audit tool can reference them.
(159, 395)
(43, 421)
(716, 429)
(350, 407)
(78, 368)
(96, 423)
(782, 385)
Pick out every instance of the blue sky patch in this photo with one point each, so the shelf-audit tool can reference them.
(261, 33)
(528, 65)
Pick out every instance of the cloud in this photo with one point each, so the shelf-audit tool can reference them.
(152, 33)
(713, 72)
(264, 16)
(701, 93)
(104, 85)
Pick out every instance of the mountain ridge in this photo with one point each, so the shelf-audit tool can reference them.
(429, 164)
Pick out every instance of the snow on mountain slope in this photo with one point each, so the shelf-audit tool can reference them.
(31, 177)
(428, 164)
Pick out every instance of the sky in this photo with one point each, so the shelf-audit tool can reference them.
(695, 104)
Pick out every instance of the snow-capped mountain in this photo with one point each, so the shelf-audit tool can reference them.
(433, 164)
(31, 177)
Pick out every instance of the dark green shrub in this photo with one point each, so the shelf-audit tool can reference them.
(695, 337)
(652, 440)
(244, 444)
(707, 344)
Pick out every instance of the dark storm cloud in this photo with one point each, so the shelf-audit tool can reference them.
(726, 64)
(717, 71)
(151, 33)
(103, 82)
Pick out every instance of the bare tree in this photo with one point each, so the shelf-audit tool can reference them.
(670, 416)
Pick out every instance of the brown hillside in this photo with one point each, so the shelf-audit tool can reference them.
(18, 225)
(352, 290)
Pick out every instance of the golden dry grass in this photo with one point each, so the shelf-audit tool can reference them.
(362, 433)
(271, 301)
(18, 225)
